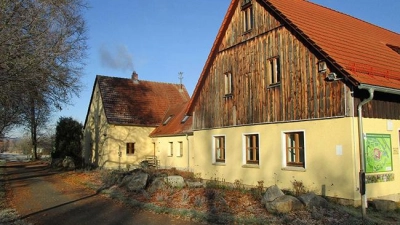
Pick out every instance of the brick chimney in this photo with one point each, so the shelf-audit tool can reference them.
(135, 77)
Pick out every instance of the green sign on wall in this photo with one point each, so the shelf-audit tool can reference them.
(378, 153)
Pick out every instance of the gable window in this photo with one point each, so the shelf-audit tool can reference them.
(228, 83)
(248, 17)
(295, 149)
(219, 149)
(180, 152)
(171, 149)
(130, 148)
(252, 148)
(274, 72)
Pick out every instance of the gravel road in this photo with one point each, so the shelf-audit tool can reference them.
(40, 198)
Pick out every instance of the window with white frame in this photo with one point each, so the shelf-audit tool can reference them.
(219, 149)
(274, 73)
(295, 149)
(180, 150)
(252, 148)
(171, 149)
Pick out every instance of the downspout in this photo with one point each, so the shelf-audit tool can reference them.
(362, 150)
(188, 159)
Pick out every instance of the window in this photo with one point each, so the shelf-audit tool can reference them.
(167, 120)
(171, 149)
(219, 149)
(394, 48)
(130, 148)
(185, 119)
(180, 152)
(274, 72)
(294, 148)
(252, 148)
(248, 18)
(228, 83)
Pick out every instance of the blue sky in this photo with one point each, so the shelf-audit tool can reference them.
(159, 38)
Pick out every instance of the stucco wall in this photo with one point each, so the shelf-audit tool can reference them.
(331, 158)
(115, 142)
(385, 189)
(184, 161)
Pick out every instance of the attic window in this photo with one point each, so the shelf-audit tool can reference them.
(228, 83)
(185, 119)
(321, 66)
(274, 72)
(394, 48)
(167, 120)
(248, 17)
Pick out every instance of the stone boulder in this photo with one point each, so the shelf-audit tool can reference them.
(271, 194)
(383, 205)
(311, 200)
(195, 184)
(284, 204)
(175, 181)
(157, 184)
(68, 163)
(136, 181)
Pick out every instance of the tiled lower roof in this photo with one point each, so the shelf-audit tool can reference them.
(141, 103)
(175, 125)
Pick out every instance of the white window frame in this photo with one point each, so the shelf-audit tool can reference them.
(244, 150)
(213, 153)
(283, 144)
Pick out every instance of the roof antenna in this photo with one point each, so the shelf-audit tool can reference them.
(180, 78)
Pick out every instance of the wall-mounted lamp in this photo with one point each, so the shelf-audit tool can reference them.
(321, 66)
(332, 77)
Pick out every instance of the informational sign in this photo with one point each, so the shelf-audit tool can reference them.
(378, 153)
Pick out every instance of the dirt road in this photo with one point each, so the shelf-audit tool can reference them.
(40, 197)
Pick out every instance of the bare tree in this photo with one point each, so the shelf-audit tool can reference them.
(43, 45)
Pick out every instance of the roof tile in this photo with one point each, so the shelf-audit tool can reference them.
(350, 42)
(143, 103)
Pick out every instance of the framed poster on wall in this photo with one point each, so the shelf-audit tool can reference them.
(378, 153)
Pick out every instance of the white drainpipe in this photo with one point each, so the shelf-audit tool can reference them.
(362, 150)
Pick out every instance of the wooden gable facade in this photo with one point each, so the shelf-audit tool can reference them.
(301, 91)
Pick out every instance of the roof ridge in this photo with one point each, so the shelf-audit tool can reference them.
(345, 14)
(125, 78)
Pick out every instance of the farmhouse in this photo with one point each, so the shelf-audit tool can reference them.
(289, 90)
(121, 116)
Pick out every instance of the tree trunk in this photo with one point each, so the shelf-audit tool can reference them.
(34, 130)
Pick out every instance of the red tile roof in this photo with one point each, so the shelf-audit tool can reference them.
(143, 103)
(366, 53)
(360, 49)
(174, 126)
